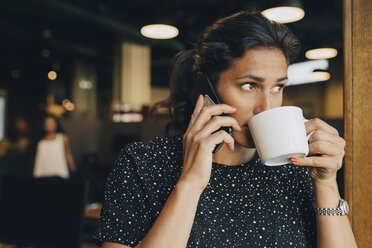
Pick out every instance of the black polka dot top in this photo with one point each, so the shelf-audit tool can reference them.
(248, 205)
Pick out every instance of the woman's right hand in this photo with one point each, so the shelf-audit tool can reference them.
(200, 139)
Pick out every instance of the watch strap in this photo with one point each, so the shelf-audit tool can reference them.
(331, 211)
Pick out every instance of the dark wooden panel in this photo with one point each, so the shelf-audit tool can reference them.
(348, 106)
(358, 116)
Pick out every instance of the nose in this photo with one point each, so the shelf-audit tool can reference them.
(263, 103)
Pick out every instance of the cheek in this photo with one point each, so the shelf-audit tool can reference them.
(244, 106)
(245, 103)
(233, 96)
(49, 126)
(243, 113)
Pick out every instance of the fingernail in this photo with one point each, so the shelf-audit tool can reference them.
(198, 98)
(240, 126)
(294, 160)
(232, 106)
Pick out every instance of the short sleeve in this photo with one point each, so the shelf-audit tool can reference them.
(125, 208)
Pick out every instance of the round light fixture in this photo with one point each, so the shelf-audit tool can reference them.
(85, 84)
(52, 75)
(318, 76)
(69, 106)
(321, 53)
(284, 14)
(159, 31)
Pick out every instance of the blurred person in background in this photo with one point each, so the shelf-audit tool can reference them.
(15, 150)
(18, 140)
(53, 153)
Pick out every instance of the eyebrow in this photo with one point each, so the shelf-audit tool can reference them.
(260, 79)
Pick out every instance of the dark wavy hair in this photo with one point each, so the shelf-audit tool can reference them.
(217, 48)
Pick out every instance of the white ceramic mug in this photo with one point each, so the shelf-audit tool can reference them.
(279, 134)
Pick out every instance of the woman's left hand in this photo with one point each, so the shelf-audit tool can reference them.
(326, 151)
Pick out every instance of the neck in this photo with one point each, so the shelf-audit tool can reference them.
(238, 156)
(50, 135)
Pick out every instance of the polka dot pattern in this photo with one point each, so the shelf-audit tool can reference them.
(248, 205)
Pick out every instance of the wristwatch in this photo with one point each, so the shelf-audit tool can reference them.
(342, 209)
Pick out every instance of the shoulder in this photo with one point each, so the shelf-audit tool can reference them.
(63, 136)
(158, 147)
(155, 164)
(149, 156)
(138, 186)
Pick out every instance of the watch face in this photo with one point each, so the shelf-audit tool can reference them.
(345, 206)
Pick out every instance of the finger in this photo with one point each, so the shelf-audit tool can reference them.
(325, 148)
(334, 140)
(209, 111)
(326, 162)
(218, 137)
(216, 123)
(318, 124)
(198, 107)
(324, 136)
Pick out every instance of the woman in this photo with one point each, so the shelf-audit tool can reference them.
(53, 154)
(18, 140)
(174, 192)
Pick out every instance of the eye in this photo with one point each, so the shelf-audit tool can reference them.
(248, 86)
(278, 88)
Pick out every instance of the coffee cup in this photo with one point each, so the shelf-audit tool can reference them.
(279, 134)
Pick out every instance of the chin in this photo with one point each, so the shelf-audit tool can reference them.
(244, 138)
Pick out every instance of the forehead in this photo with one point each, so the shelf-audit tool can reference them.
(260, 61)
(49, 119)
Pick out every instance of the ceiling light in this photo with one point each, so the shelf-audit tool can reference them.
(321, 53)
(159, 31)
(69, 106)
(52, 75)
(284, 11)
(303, 72)
(85, 84)
(284, 14)
(319, 76)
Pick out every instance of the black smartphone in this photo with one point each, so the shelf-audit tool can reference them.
(203, 86)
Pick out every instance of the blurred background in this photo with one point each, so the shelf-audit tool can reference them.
(88, 63)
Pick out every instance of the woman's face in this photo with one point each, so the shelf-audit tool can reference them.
(50, 125)
(253, 83)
